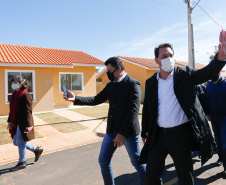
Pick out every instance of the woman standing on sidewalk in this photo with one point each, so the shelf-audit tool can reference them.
(20, 121)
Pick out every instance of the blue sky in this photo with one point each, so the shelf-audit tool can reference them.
(105, 28)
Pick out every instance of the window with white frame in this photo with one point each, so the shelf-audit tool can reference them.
(29, 75)
(72, 81)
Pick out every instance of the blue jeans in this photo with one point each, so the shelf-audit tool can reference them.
(219, 129)
(107, 149)
(22, 145)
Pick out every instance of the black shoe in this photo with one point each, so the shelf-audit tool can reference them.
(224, 174)
(19, 166)
(38, 151)
(219, 163)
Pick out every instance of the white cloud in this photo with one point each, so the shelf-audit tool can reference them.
(206, 35)
(144, 47)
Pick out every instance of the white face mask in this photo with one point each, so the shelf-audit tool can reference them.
(15, 86)
(167, 64)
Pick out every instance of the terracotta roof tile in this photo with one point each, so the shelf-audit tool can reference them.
(36, 55)
(146, 62)
(181, 64)
(150, 63)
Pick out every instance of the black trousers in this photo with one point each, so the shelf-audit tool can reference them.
(178, 145)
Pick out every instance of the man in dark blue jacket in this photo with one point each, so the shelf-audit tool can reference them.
(216, 102)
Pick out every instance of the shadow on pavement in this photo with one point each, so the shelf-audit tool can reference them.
(169, 175)
(6, 170)
(100, 134)
(130, 179)
(209, 179)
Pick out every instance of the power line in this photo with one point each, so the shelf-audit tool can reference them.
(167, 5)
(195, 5)
(172, 6)
(210, 17)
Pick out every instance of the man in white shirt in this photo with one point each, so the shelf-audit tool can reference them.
(173, 121)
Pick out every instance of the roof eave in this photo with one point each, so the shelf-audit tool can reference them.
(35, 65)
(101, 73)
(91, 65)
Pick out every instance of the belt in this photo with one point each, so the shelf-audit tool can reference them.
(172, 129)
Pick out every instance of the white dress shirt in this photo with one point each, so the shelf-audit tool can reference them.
(170, 113)
(122, 78)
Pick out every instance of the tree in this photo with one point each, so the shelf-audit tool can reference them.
(213, 55)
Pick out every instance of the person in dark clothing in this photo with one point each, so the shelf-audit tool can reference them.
(123, 94)
(173, 121)
(201, 93)
(216, 102)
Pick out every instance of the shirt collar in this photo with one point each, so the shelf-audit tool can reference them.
(122, 78)
(171, 74)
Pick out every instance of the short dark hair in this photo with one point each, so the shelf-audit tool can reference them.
(115, 62)
(165, 45)
(20, 79)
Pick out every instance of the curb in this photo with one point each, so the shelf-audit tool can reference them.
(49, 151)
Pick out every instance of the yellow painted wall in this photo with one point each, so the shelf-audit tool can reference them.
(105, 79)
(100, 87)
(89, 75)
(150, 73)
(4, 108)
(44, 90)
(137, 72)
(47, 91)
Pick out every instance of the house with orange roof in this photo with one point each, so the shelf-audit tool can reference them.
(47, 70)
(138, 68)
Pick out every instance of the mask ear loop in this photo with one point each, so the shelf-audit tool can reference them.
(22, 82)
(118, 66)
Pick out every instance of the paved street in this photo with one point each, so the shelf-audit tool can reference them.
(79, 166)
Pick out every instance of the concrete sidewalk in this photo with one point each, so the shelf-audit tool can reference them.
(53, 140)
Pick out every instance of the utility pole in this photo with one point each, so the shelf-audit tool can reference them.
(191, 49)
(216, 49)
